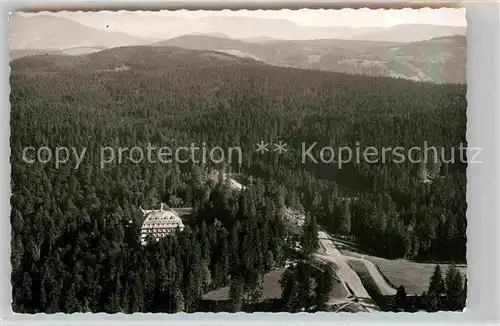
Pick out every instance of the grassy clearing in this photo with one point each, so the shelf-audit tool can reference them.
(271, 288)
(413, 276)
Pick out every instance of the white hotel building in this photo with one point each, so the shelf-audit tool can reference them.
(160, 222)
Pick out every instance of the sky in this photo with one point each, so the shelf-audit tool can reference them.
(307, 17)
(353, 17)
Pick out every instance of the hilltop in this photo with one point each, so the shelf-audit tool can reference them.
(56, 33)
(439, 60)
(418, 52)
(127, 58)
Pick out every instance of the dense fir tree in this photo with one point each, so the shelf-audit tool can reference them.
(435, 290)
(400, 298)
(454, 289)
(310, 236)
(75, 231)
(324, 285)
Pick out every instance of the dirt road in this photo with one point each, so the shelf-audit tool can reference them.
(344, 272)
(383, 287)
(348, 276)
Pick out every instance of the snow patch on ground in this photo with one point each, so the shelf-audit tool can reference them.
(394, 74)
(80, 50)
(313, 58)
(364, 62)
(240, 54)
(220, 55)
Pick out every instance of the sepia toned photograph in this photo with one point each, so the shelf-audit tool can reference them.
(239, 161)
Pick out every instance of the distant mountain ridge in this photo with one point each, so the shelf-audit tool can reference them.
(248, 28)
(50, 32)
(53, 32)
(438, 59)
(127, 58)
(19, 53)
(441, 59)
(411, 33)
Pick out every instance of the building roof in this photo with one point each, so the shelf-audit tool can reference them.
(161, 218)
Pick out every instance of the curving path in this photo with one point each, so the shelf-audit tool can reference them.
(344, 272)
(382, 285)
(349, 278)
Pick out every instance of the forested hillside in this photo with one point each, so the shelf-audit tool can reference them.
(19, 53)
(75, 232)
(440, 59)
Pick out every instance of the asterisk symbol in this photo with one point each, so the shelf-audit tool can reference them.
(280, 147)
(262, 147)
